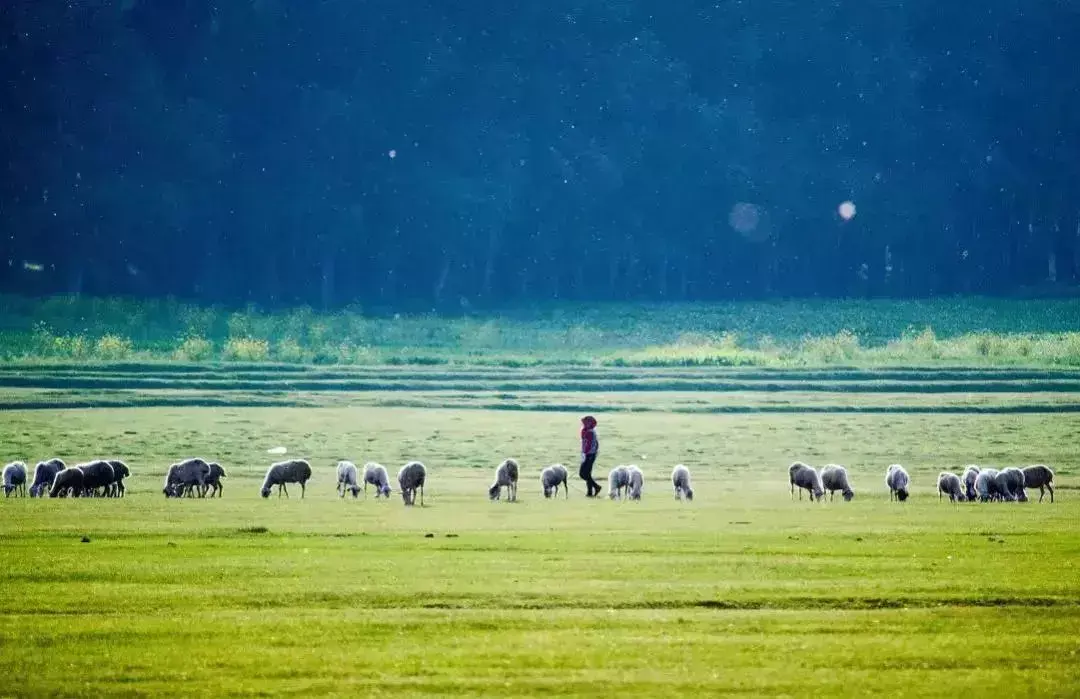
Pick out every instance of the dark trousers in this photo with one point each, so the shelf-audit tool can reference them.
(586, 475)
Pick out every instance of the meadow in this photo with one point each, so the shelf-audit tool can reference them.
(744, 590)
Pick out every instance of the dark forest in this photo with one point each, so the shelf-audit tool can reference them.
(477, 153)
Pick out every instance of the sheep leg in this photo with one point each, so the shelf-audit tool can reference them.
(302, 489)
(421, 495)
(1051, 487)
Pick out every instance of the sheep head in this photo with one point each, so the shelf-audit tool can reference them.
(902, 494)
(848, 494)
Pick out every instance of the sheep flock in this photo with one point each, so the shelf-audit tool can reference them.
(197, 477)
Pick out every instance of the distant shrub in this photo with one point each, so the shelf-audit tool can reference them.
(246, 349)
(830, 349)
(194, 349)
(289, 350)
(113, 348)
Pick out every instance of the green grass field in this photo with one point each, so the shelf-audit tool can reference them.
(742, 591)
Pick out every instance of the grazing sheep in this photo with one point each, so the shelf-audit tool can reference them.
(15, 479)
(1041, 477)
(970, 474)
(805, 478)
(552, 477)
(67, 482)
(96, 474)
(292, 471)
(506, 476)
(898, 480)
(986, 485)
(347, 479)
(116, 489)
(951, 485)
(834, 477)
(1010, 483)
(44, 473)
(376, 475)
(680, 480)
(637, 482)
(213, 480)
(618, 482)
(187, 476)
(411, 478)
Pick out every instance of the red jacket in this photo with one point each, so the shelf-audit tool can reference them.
(589, 443)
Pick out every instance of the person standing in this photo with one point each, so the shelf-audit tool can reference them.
(590, 445)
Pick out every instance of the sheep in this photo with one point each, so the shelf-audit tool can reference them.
(806, 478)
(121, 471)
(618, 481)
(411, 478)
(347, 479)
(551, 478)
(97, 474)
(986, 485)
(213, 480)
(1010, 483)
(951, 485)
(44, 473)
(1041, 477)
(187, 476)
(898, 480)
(506, 476)
(376, 475)
(680, 481)
(637, 482)
(15, 479)
(292, 471)
(970, 474)
(834, 477)
(67, 482)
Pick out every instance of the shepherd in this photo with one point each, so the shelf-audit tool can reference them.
(590, 445)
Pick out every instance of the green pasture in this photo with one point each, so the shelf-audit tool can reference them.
(743, 591)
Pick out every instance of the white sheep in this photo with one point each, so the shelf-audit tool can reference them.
(44, 474)
(1040, 476)
(971, 472)
(1010, 484)
(950, 484)
(187, 476)
(805, 478)
(15, 479)
(898, 480)
(67, 482)
(411, 478)
(834, 477)
(96, 474)
(116, 489)
(986, 485)
(506, 476)
(213, 480)
(376, 475)
(347, 479)
(680, 481)
(552, 477)
(618, 482)
(637, 482)
(282, 472)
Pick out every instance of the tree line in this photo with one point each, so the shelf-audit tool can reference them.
(440, 154)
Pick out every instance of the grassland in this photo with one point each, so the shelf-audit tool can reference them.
(742, 591)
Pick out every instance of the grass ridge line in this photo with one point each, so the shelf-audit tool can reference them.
(589, 386)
